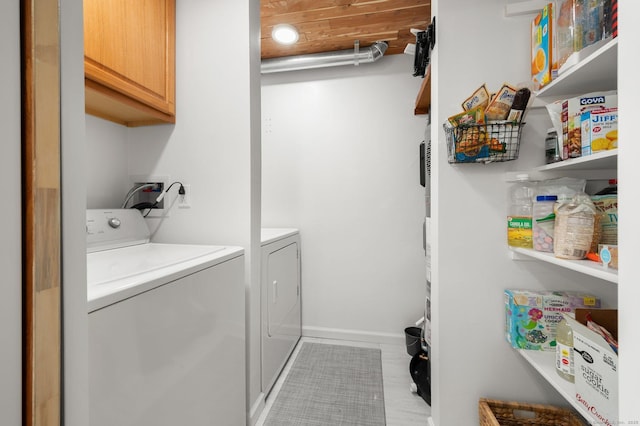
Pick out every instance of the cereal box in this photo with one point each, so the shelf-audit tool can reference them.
(542, 47)
(599, 130)
(531, 317)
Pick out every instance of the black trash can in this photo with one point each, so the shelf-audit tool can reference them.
(412, 338)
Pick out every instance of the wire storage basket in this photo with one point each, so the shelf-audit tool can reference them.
(483, 143)
(507, 413)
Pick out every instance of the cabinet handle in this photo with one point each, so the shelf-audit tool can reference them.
(275, 291)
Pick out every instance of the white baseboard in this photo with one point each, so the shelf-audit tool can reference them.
(256, 409)
(353, 335)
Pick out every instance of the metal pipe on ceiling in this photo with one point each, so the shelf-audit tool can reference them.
(353, 56)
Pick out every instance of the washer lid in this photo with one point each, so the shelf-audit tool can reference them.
(117, 274)
(119, 264)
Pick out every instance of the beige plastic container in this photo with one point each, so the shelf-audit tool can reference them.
(574, 228)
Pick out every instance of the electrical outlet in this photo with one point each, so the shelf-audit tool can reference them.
(184, 201)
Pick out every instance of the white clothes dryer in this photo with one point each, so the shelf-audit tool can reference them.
(280, 300)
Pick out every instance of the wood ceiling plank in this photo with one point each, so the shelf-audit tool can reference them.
(316, 14)
(279, 7)
(398, 18)
(380, 23)
(273, 50)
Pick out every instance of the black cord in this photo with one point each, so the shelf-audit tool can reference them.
(150, 206)
(181, 190)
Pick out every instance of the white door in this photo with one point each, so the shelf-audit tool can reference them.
(10, 216)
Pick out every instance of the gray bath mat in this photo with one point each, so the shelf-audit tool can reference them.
(331, 385)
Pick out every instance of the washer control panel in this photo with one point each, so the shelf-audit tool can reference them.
(108, 229)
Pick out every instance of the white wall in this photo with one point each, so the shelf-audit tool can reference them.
(10, 215)
(341, 163)
(74, 172)
(106, 154)
(629, 233)
(471, 265)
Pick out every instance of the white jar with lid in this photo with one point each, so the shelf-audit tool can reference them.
(543, 220)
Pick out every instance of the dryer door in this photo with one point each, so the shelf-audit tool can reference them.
(284, 292)
(281, 301)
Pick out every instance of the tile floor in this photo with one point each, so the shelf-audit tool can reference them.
(402, 407)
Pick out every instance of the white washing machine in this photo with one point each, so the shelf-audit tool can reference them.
(280, 304)
(166, 327)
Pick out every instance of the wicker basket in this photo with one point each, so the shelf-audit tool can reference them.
(506, 413)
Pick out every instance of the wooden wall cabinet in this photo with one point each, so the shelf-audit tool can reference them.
(129, 60)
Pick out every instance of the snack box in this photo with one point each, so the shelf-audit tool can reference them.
(531, 317)
(566, 14)
(599, 130)
(596, 365)
(542, 47)
(572, 110)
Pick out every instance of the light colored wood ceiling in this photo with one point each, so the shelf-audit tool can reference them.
(329, 25)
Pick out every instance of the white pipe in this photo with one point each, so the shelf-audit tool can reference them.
(325, 59)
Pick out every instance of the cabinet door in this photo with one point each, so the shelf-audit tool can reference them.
(130, 60)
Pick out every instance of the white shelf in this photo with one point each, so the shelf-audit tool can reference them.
(528, 7)
(595, 72)
(586, 267)
(603, 160)
(544, 363)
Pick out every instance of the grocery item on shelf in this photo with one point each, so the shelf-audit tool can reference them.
(543, 221)
(581, 26)
(554, 109)
(479, 98)
(519, 105)
(611, 23)
(509, 103)
(500, 104)
(542, 47)
(552, 149)
(606, 201)
(596, 365)
(563, 187)
(608, 255)
(568, 20)
(472, 116)
(612, 188)
(532, 317)
(599, 130)
(574, 228)
(564, 351)
(593, 22)
(575, 109)
(519, 216)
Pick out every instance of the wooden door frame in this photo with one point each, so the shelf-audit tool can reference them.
(41, 218)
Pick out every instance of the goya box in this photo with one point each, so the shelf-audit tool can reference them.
(542, 47)
(531, 317)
